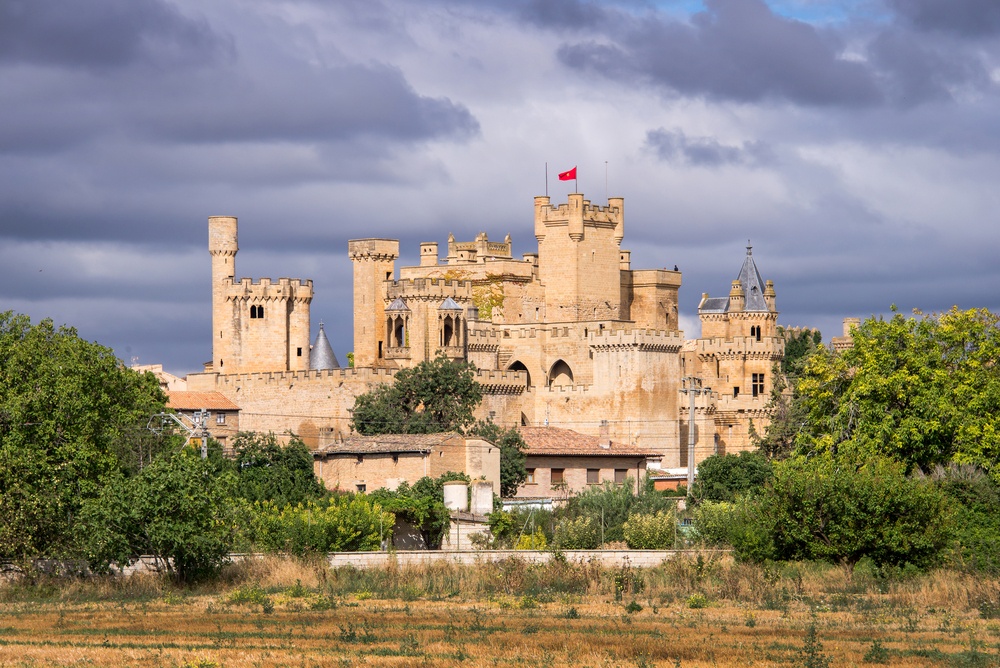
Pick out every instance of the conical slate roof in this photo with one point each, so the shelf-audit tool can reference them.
(321, 356)
(753, 284)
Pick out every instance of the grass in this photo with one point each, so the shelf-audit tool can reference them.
(283, 612)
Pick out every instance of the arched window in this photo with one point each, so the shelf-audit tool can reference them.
(560, 374)
(519, 366)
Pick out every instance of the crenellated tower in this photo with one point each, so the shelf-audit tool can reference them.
(374, 263)
(579, 258)
(256, 326)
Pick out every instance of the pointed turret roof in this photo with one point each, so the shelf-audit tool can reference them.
(753, 290)
(321, 356)
(753, 284)
(449, 304)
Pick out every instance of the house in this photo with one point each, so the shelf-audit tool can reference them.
(561, 462)
(224, 416)
(367, 463)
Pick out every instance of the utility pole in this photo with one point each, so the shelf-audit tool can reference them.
(201, 420)
(691, 386)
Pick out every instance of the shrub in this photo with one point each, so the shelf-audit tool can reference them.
(650, 532)
(532, 541)
(344, 523)
(581, 533)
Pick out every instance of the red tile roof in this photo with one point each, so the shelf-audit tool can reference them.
(187, 401)
(556, 441)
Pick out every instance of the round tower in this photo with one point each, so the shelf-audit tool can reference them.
(222, 245)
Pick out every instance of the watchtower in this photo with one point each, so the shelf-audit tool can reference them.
(256, 326)
(579, 258)
(374, 263)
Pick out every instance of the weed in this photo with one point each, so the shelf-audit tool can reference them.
(527, 602)
(877, 653)
(633, 607)
(572, 614)
(750, 620)
(409, 645)
(297, 590)
(199, 663)
(697, 601)
(811, 653)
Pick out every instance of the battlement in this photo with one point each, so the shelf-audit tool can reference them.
(266, 288)
(743, 345)
(208, 381)
(610, 215)
(643, 339)
(502, 382)
(373, 249)
(429, 288)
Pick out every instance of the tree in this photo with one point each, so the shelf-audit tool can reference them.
(435, 396)
(512, 457)
(66, 406)
(724, 477)
(924, 390)
(830, 509)
(177, 509)
(267, 471)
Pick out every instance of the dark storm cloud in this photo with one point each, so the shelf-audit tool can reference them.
(560, 13)
(676, 146)
(102, 34)
(917, 70)
(737, 49)
(973, 18)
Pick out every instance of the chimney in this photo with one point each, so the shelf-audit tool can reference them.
(603, 440)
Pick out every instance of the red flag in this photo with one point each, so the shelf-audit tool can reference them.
(568, 175)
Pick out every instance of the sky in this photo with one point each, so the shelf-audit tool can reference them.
(854, 143)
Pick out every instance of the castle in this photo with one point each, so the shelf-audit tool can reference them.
(569, 336)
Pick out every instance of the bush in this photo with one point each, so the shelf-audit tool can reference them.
(650, 532)
(349, 523)
(743, 526)
(725, 477)
(532, 541)
(582, 533)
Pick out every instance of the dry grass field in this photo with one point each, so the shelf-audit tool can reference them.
(707, 611)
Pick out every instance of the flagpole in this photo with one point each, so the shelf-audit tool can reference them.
(546, 179)
(606, 194)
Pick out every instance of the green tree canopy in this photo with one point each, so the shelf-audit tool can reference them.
(268, 471)
(724, 477)
(66, 407)
(177, 509)
(512, 457)
(830, 509)
(924, 390)
(435, 396)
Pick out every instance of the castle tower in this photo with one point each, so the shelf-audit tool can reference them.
(222, 245)
(256, 327)
(579, 258)
(374, 266)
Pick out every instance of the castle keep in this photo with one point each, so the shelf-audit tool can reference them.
(569, 336)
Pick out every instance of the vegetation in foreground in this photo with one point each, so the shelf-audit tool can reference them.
(697, 610)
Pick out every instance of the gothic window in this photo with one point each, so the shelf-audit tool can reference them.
(519, 366)
(560, 374)
(758, 384)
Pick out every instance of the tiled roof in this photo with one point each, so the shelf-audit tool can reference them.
(386, 444)
(556, 441)
(212, 401)
(715, 305)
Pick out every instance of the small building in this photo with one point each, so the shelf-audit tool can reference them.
(224, 415)
(561, 462)
(367, 463)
